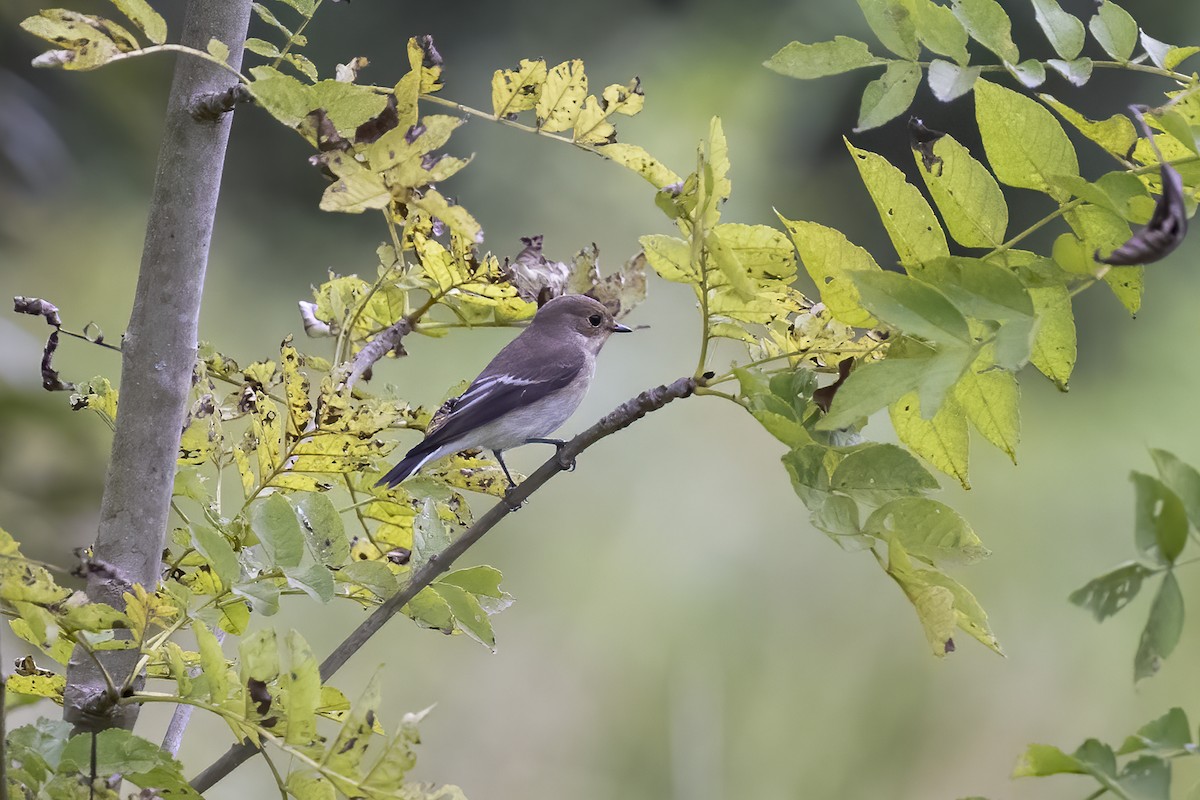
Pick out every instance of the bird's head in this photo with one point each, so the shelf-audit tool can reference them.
(579, 315)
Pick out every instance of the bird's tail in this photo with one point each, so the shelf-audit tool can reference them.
(413, 461)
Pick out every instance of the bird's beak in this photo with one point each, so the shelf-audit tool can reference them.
(619, 328)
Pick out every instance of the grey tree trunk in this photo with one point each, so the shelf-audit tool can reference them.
(158, 354)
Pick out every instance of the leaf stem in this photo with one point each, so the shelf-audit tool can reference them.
(474, 112)
(179, 48)
(295, 35)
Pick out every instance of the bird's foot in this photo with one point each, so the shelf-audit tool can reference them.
(568, 464)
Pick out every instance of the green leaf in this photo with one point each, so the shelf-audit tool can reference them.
(430, 536)
(303, 65)
(1031, 73)
(991, 400)
(282, 96)
(323, 528)
(1146, 776)
(1168, 733)
(927, 529)
(888, 96)
(262, 595)
(980, 289)
(1097, 758)
(950, 81)
(1162, 631)
(670, 257)
(1115, 134)
(371, 575)
(218, 50)
(1165, 55)
(751, 255)
(274, 523)
(1099, 230)
(1183, 480)
(139, 761)
(213, 665)
(988, 24)
(218, 553)
(90, 41)
(1040, 760)
(397, 759)
(810, 478)
(837, 517)
(305, 8)
(1109, 593)
(306, 784)
(878, 473)
(941, 439)
(145, 17)
(469, 615)
(266, 16)
(942, 603)
(910, 222)
(806, 61)
(891, 21)
(969, 198)
(1115, 30)
(313, 579)
(913, 307)
(783, 417)
(1024, 143)
(1054, 345)
(939, 30)
(1065, 31)
(829, 258)
(303, 684)
(1077, 71)
(871, 387)
(346, 751)
(1160, 521)
(482, 581)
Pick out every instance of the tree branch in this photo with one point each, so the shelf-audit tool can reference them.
(621, 417)
(158, 355)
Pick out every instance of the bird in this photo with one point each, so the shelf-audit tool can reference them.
(525, 393)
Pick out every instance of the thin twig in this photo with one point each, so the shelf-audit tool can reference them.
(624, 415)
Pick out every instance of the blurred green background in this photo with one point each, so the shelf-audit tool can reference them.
(680, 631)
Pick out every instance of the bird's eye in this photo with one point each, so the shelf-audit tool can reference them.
(595, 319)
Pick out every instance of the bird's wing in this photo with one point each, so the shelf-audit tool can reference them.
(495, 393)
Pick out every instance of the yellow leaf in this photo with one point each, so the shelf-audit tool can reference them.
(1054, 345)
(295, 387)
(636, 158)
(38, 685)
(991, 399)
(243, 464)
(356, 189)
(265, 428)
(562, 97)
(198, 440)
(624, 99)
(97, 395)
(592, 125)
(943, 440)
(517, 90)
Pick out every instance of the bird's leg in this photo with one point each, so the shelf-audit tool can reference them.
(559, 444)
(511, 483)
